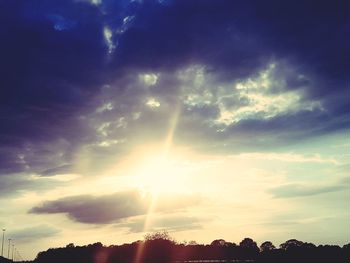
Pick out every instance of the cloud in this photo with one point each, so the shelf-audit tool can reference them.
(61, 23)
(168, 222)
(34, 233)
(289, 105)
(346, 180)
(11, 185)
(207, 111)
(63, 169)
(97, 77)
(298, 190)
(55, 62)
(106, 209)
(289, 157)
(16, 184)
(95, 209)
(44, 86)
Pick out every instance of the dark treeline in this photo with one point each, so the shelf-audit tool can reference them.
(160, 248)
(4, 260)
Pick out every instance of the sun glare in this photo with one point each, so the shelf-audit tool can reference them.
(153, 169)
(159, 173)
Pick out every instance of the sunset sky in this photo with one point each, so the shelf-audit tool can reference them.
(208, 119)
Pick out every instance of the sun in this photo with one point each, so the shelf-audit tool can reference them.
(159, 174)
(157, 171)
(152, 170)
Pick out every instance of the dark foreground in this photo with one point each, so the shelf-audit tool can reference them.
(162, 249)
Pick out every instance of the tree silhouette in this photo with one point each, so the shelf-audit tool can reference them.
(291, 244)
(249, 248)
(248, 243)
(159, 247)
(218, 243)
(347, 246)
(267, 246)
(164, 235)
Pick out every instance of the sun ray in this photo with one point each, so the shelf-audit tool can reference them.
(154, 196)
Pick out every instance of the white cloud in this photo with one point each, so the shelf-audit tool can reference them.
(96, 2)
(92, 2)
(197, 89)
(108, 143)
(108, 106)
(136, 115)
(149, 79)
(108, 35)
(104, 128)
(153, 103)
(128, 19)
(266, 96)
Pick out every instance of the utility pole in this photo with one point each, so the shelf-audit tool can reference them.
(8, 250)
(13, 248)
(2, 246)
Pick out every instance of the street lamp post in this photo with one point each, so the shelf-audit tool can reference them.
(8, 250)
(2, 246)
(13, 248)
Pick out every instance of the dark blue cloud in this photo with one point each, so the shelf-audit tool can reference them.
(55, 59)
(47, 74)
(316, 33)
(61, 23)
(185, 32)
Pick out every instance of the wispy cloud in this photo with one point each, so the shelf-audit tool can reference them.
(169, 222)
(289, 157)
(299, 190)
(34, 233)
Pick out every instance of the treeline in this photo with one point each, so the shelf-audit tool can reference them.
(4, 260)
(160, 248)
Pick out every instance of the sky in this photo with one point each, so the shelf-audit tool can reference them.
(207, 119)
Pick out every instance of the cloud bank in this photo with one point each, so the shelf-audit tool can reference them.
(111, 208)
